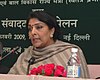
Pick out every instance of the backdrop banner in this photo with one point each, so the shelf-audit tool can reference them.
(79, 22)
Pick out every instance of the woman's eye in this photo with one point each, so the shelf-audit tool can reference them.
(39, 27)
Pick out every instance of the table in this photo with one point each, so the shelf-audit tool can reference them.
(35, 77)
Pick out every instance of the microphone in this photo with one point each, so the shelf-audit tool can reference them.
(12, 51)
(31, 61)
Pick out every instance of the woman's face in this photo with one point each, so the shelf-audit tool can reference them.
(39, 33)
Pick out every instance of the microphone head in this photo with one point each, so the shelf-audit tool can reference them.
(31, 61)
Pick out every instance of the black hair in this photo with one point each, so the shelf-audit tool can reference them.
(47, 18)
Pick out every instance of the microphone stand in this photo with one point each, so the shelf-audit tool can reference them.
(31, 61)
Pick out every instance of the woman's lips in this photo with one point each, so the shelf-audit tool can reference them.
(35, 39)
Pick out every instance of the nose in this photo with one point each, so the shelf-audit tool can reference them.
(33, 31)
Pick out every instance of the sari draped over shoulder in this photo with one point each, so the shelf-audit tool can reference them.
(57, 53)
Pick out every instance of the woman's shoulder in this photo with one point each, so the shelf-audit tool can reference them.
(29, 48)
(68, 44)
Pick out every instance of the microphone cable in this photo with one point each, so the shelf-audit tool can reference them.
(31, 61)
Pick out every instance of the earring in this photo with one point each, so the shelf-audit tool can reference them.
(51, 35)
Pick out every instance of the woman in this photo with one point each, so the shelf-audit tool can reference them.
(46, 48)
